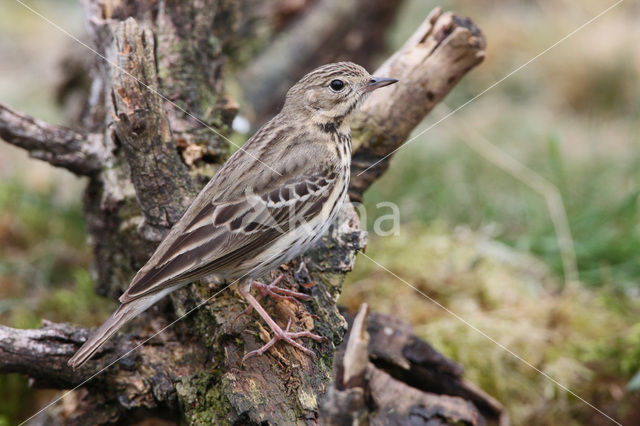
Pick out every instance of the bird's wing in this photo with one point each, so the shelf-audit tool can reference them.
(215, 232)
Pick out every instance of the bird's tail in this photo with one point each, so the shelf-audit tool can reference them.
(124, 313)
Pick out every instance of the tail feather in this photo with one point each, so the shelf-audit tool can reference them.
(123, 314)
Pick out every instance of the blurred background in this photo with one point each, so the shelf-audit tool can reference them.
(476, 238)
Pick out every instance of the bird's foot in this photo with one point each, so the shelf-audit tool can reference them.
(287, 336)
(278, 292)
(275, 292)
(278, 332)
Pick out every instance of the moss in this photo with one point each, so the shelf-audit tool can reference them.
(203, 401)
(587, 339)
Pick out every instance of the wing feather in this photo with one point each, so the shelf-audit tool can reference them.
(213, 236)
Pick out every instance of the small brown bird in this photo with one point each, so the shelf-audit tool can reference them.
(267, 204)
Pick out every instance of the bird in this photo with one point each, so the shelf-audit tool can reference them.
(268, 203)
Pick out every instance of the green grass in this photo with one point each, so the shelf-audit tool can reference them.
(15, 397)
(455, 185)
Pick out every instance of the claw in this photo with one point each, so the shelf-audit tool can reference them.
(278, 332)
(287, 336)
(275, 292)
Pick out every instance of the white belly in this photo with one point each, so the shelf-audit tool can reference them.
(304, 236)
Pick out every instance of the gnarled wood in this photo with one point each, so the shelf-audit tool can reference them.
(78, 152)
(429, 65)
(144, 131)
(385, 374)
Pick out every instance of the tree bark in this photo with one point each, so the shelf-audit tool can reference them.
(385, 374)
(154, 133)
(429, 64)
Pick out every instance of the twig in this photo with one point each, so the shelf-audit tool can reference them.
(60, 146)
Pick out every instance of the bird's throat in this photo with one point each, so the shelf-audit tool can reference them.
(335, 125)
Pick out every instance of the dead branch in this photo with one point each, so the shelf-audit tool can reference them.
(144, 381)
(40, 353)
(195, 373)
(385, 374)
(163, 186)
(80, 153)
(429, 65)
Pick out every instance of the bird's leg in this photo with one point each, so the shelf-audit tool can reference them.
(278, 332)
(275, 292)
(278, 292)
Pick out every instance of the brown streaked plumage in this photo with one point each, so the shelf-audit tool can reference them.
(268, 203)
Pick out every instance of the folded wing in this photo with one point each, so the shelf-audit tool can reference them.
(214, 235)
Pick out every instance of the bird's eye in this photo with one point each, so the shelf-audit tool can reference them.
(336, 85)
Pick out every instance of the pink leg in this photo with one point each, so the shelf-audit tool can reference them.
(275, 292)
(278, 332)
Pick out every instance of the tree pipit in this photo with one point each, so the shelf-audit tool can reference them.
(268, 203)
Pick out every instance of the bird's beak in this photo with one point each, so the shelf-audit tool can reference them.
(378, 82)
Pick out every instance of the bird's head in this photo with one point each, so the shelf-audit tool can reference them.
(331, 93)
